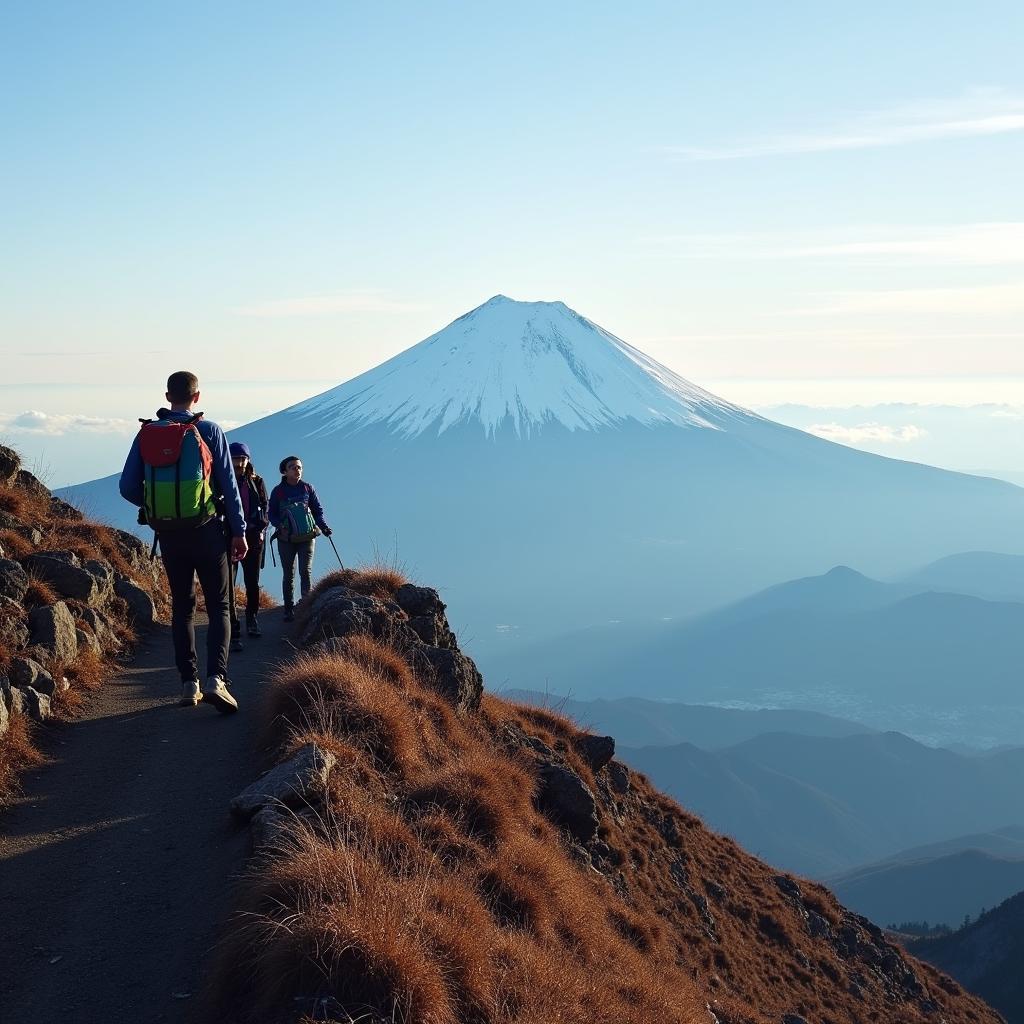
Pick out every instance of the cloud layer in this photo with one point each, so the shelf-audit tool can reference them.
(872, 433)
(34, 421)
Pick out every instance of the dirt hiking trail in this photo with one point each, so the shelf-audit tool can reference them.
(116, 864)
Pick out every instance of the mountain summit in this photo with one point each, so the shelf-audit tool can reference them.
(520, 365)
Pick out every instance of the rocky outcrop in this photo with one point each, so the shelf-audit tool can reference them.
(414, 623)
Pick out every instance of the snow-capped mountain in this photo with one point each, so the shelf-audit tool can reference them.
(520, 365)
(552, 476)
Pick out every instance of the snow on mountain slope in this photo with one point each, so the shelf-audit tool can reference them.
(518, 363)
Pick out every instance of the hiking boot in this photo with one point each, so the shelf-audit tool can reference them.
(190, 693)
(236, 644)
(216, 693)
(252, 626)
(289, 614)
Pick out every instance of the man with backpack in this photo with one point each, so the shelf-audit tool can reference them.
(179, 473)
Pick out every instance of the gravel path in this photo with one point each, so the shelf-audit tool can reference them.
(116, 865)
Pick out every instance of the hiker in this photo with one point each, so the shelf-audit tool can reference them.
(298, 516)
(253, 492)
(179, 474)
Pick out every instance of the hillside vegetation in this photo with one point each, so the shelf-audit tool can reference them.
(428, 853)
(71, 594)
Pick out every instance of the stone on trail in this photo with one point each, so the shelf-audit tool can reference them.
(296, 782)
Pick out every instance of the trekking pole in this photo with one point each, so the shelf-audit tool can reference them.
(336, 555)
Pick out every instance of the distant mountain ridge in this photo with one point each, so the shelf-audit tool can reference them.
(824, 805)
(840, 642)
(940, 890)
(636, 722)
(985, 957)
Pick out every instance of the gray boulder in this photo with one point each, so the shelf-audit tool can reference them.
(60, 509)
(452, 674)
(33, 703)
(140, 605)
(10, 463)
(568, 801)
(13, 580)
(296, 782)
(6, 701)
(597, 751)
(618, 776)
(87, 641)
(13, 631)
(13, 523)
(53, 630)
(31, 483)
(68, 576)
(26, 672)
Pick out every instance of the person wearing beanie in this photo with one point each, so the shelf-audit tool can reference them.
(298, 516)
(255, 506)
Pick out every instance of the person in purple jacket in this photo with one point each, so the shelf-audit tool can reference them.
(297, 516)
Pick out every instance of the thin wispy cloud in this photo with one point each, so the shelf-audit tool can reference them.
(979, 112)
(868, 433)
(355, 301)
(979, 300)
(34, 421)
(982, 244)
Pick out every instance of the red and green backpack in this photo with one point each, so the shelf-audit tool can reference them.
(178, 471)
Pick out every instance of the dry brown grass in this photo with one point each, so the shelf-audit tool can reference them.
(39, 593)
(431, 891)
(18, 753)
(14, 545)
(87, 540)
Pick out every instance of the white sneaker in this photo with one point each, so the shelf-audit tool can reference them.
(216, 693)
(190, 695)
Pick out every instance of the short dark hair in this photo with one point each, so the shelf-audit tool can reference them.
(182, 385)
(285, 461)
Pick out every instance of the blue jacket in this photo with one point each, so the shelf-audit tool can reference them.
(225, 487)
(299, 492)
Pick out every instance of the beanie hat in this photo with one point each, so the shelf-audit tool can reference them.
(239, 450)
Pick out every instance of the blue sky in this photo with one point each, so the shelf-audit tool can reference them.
(277, 195)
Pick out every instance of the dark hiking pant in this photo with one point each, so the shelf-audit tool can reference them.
(202, 552)
(289, 552)
(251, 576)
